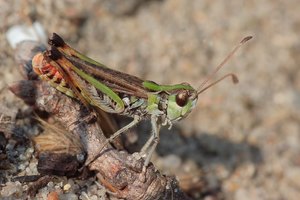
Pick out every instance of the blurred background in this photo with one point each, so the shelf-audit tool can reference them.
(241, 141)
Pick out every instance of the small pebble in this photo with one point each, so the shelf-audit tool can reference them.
(67, 187)
(52, 196)
(68, 196)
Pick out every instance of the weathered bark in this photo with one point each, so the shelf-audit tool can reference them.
(118, 171)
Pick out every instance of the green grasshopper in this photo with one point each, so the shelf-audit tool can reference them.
(112, 91)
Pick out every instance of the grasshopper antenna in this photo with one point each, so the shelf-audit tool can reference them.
(235, 80)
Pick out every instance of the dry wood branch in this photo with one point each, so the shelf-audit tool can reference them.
(118, 171)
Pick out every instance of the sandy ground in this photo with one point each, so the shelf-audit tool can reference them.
(241, 141)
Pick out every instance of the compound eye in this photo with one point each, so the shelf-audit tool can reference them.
(182, 98)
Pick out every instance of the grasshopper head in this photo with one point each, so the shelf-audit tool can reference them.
(181, 103)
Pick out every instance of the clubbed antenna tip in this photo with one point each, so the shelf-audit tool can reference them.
(235, 79)
(246, 39)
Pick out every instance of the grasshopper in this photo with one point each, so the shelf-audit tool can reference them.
(93, 83)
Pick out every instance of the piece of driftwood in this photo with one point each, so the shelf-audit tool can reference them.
(118, 171)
